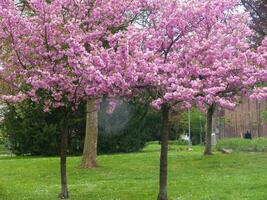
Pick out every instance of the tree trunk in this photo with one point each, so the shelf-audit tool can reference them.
(164, 154)
(210, 112)
(91, 133)
(63, 158)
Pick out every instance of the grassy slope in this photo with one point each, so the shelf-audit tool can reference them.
(239, 144)
(135, 177)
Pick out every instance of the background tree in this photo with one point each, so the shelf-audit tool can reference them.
(91, 135)
(197, 124)
(258, 12)
(117, 22)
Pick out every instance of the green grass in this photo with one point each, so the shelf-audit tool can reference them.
(240, 144)
(238, 176)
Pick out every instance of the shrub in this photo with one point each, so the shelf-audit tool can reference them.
(28, 130)
(128, 128)
(178, 142)
(240, 144)
(2, 139)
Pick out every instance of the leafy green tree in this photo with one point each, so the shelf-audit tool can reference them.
(197, 125)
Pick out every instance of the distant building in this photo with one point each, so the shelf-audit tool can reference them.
(248, 116)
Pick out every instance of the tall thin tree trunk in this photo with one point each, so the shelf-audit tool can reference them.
(208, 150)
(164, 154)
(91, 133)
(63, 158)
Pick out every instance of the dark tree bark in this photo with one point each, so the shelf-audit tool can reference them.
(208, 150)
(63, 157)
(91, 133)
(164, 154)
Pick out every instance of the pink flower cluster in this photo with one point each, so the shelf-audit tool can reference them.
(62, 52)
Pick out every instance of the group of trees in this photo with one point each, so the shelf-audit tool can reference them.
(170, 54)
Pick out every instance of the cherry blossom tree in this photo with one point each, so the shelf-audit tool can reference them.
(224, 62)
(190, 52)
(226, 81)
(57, 53)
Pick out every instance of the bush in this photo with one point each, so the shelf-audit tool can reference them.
(128, 128)
(178, 142)
(2, 139)
(240, 144)
(28, 130)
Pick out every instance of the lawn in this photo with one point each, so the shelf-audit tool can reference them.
(134, 176)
